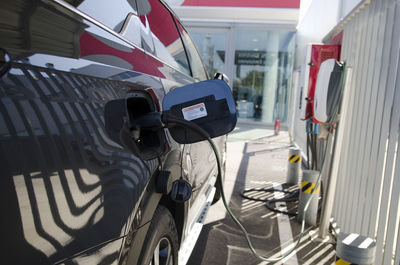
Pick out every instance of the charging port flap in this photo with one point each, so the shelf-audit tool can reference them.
(209, 104)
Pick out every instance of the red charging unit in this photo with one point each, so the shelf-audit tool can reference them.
(319, 53)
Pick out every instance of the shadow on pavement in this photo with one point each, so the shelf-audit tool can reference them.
(221, 242)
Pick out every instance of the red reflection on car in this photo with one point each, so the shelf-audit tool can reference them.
(91, 45)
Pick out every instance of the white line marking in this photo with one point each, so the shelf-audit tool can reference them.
(366, 243)
(284, 228)
(317, 255)
(350, 238)
(286, 248)
(328, 257)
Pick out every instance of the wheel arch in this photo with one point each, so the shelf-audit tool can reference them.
(178, 211)
(151, 199)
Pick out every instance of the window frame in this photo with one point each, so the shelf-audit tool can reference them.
(101, 25)
(176, 20)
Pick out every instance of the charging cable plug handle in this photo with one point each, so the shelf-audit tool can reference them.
(148, 121)
(171, 121)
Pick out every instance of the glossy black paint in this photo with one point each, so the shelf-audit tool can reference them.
(69, 193)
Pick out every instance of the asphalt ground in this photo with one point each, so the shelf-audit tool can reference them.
(256, 158)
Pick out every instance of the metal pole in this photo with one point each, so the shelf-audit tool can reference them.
(309, 189)
(294, 166)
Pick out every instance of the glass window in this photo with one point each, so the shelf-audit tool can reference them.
(212, 49)
(167, 42)
(123, 16)
(196, 63)
(263, 63)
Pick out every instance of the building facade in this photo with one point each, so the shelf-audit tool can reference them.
(252, 42)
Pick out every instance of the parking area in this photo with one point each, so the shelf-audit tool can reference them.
(260, 161)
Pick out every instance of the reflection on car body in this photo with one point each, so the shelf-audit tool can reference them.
(70, 194)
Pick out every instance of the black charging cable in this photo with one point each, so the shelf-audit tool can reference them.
(172, 121)
(292, 196)
(165, 120)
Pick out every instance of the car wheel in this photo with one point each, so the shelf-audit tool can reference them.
(161, 244)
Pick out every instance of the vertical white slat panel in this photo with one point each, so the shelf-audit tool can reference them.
(393, 185)
(358, 150)
(347, 40)
(351, 58)
(372, 113)
(354, 56)
(375, 110)
(393, 217)
(368, 185)
(365, 98)
(381, 124)
(397, 251)
(394, 118)
(352, 37)
(369, 103)
(341, 190)
(353, 177)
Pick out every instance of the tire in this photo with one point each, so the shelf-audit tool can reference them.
(161, 242)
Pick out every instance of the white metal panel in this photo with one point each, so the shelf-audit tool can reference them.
(397, 252)
(384, 185)
(385, 96)
(349, 39)
(345, 178)
(393, 214)
(374, 111)
(367, 113)
(368, 186)
(354, 37)
(367, 198)
(352, 176)
(363, 145)
(388, 182)
(355, 223)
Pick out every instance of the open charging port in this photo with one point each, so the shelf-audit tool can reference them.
(148, 142)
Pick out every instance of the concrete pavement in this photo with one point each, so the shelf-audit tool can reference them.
(256, 158)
